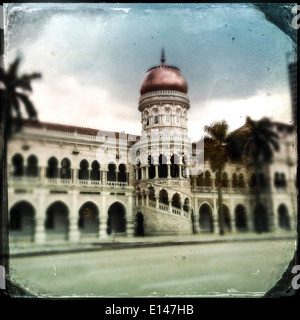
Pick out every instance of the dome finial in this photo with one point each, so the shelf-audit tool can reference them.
(163, 59)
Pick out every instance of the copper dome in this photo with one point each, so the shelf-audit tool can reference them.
(163, 77)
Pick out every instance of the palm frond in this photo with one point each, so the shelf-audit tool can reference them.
(28, 105)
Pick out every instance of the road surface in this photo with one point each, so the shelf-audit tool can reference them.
(243, 269)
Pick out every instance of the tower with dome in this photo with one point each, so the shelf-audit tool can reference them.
(76, 184)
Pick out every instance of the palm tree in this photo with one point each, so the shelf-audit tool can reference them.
(259, 143)
(218, 151)
(13, 90)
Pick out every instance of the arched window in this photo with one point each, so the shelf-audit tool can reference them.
(277, 180)
(18, 165)
(32, 169)
(155, 112)
(234, 181)
(241, 182)
(200, 180)
(174, 166)
(52, 170)
(207, 179)
(111, 174)
(162, 167)
(167, 111)
(122, 173)
(218, 179)
(65, 171)
(95, 173)
(83, 173)
(225, 180)
(147, 118)
(151, 168)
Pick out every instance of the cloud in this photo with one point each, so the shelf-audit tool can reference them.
(93, 58)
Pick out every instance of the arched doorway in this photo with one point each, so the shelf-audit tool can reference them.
(283, 217)
(227, 220)
(240, 218)
(88, 221)
(21, 222)
(139, 231)
(116, 222)
(57, 222)
(260, 219)
(206, 218)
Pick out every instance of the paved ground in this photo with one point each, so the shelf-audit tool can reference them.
(190, 269)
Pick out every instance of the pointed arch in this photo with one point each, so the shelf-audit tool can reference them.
(116, 218)
(22, 219)
(18, 165)
(240, 218)
(205, 218)
(88, 221)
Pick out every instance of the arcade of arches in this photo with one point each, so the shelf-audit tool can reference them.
(57, 218)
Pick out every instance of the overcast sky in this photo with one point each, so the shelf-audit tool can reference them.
(93, 58)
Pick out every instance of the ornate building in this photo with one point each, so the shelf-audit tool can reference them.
(77, 184)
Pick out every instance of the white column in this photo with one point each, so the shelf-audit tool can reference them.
(170, 206)
(40, 232)
(130, 219)
(74, 234)
(215, 217)
(169, 171)
(157, 202)
(75, 176)
(196, 217)
(42, 174)
(180, 173)
(147, 171)
(156, 171)
(181, 210)
(103, 216)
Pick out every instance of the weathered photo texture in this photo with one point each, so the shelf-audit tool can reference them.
(150, 149)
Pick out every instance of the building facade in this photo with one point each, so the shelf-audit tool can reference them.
(77, 184)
